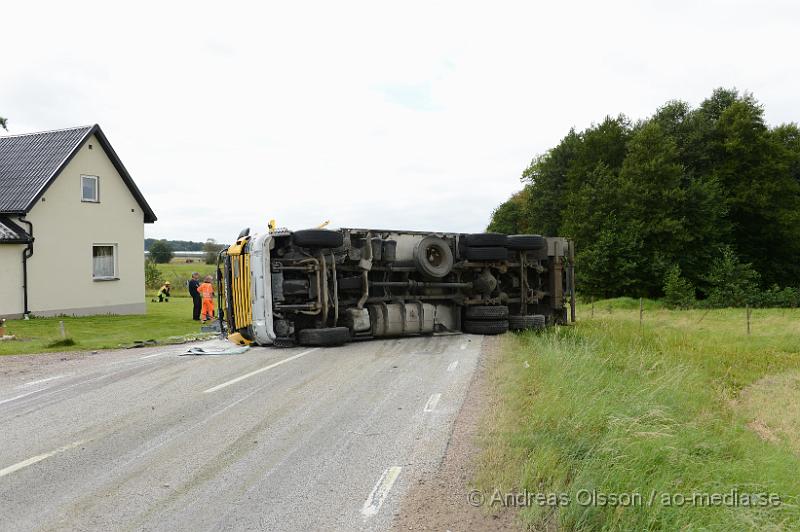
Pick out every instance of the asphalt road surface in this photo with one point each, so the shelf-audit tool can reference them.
(272, 439)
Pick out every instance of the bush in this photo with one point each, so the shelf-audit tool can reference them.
(678, 291)
(161, 252)
(152, 275)
(212, 249)
(733, 283)
(777, 297)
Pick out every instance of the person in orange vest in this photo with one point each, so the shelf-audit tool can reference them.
(206, 290)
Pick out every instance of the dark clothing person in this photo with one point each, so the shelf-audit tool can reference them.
(197, 299)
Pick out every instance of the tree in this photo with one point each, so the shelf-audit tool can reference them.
(152, 275)
(669, 190)
(212, 249)
(510, 217)
(678, 291)
(4, 123)
(733, 283)
(161, 252)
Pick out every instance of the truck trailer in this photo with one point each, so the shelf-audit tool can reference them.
(322, 287)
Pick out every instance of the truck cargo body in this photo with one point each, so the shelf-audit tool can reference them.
(323, 287)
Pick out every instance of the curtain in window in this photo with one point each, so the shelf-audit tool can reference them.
(104, 261)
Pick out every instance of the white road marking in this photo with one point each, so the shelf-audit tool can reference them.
(453, 365)
(20, 396)
(256, 372)
(38, 458)
(40, 381)
(380, 491)
(154, 355)
(433, 400)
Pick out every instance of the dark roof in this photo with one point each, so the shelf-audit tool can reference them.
(30, 163)
(11, 233)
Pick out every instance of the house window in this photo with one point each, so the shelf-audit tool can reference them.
(104, 262)
(90, 188)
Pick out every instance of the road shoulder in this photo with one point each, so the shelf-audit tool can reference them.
(439, 499)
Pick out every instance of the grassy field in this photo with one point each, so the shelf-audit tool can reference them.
(164, 322)
(178, 274)
(688, 403)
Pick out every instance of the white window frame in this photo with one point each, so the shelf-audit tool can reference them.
(96, 189)
(115, 250)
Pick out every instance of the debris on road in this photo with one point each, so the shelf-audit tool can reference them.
(232, 350)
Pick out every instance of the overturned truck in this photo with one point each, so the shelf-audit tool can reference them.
(322, 287)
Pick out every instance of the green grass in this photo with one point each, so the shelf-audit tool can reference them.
(164, 322)
(606, 405)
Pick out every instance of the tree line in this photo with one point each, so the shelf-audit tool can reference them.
(704, 200)
(175, 245)
(161, 251)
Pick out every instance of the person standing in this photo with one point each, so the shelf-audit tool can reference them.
(207, 291)
(197, 299)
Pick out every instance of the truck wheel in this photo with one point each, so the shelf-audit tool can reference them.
(486, 312)
(325, 337)
(317, 238)
(485, 327)
(485, 240)
(432, 257)
(531, 321)
(526, 242)
(485, 254)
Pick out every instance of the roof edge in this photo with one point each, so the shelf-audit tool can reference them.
(46, 131)
(17, 229)
(149, 215)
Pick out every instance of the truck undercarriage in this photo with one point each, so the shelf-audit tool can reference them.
(323, 287)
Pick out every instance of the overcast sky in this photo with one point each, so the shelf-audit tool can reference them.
(416, 115)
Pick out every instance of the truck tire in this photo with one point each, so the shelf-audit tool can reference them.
(486, 312)
(522, 322)
(433, 257)
(485, 327)
(485, 254)
(325, 337)
(485, 240)
(317, 238)
(526, 242)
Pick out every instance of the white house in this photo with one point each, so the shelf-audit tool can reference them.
(71, 226)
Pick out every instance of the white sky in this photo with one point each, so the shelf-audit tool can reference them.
(415, 115)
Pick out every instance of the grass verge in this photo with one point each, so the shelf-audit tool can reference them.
(607, 407)
(164, 322)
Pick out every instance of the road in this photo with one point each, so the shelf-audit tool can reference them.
(272, 439)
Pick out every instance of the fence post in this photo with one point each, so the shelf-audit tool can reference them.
(593, 306)
(747, 310)
(61, 328)
(641, 314)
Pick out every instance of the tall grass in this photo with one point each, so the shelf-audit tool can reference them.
(606, 405)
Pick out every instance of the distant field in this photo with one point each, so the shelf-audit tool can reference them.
(688, 403)
(163, 322)
(178, 274)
